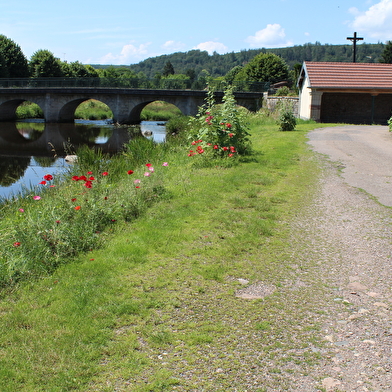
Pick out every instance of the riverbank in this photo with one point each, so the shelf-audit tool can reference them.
(197, 293)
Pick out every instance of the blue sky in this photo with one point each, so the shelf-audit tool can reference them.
(127, 32)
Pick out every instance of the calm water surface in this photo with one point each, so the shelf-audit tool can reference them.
(31, 149)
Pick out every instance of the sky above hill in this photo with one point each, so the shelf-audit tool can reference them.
(127, 32)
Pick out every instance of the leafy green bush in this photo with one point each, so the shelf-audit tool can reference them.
(287, 120)
(219, 130)
(390, 124)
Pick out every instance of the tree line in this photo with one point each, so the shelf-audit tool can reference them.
(195, 66)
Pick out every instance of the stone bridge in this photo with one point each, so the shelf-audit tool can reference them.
(59, 103)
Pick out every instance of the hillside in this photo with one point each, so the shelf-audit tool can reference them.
(195, 61)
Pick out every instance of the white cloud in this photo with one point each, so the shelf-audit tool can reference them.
(272, 36)
(129, 54)
(212, 46)
(376, 22)
(173, 46)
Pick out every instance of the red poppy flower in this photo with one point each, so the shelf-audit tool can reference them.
(57, 221)
(83, 178)
(216, 147)
(16, 244)
(228, 125)
(138, 186)
(48, 177)
(89, 172)
(77, 208)
(91, 178)
(231, 134)
(105, 173)
(75, 178)
(130, 172)
(43, 182)
(148, 164)
(74, 199)
(88, 184)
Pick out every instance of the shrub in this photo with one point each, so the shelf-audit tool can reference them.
(219, 130)
(287, 120)
(390, 124)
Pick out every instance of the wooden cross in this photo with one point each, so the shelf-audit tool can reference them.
(354, 40)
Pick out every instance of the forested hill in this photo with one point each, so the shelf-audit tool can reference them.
(195, 61)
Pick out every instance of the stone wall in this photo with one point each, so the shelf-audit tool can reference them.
(272, 101)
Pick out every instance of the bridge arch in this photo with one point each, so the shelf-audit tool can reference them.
(67, 111)
(8, 108)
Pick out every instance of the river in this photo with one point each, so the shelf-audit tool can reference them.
(30, 149)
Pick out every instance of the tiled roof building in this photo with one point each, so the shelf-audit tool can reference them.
(359, 93)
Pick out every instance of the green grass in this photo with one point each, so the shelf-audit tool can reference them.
(153, 307)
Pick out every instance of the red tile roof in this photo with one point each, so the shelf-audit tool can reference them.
(349, 75)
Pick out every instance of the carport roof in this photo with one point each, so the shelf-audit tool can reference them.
(347, 75)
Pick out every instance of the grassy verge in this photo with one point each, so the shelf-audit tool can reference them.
(153, 308)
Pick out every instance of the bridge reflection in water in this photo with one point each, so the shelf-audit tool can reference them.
(29, 150)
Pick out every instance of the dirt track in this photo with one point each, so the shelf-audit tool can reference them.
(347, 234)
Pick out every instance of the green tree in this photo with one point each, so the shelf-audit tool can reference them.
(168, 69)
(386, 55)
(3, 67)
(230, 76)
(78, 70)
(44, 64)
(265, 67)
(15, 61)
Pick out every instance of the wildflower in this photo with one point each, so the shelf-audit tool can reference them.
(89, 172)
(57, 221)
(230, 155)
(130, 171)
(91, 178)
(16, 244)
(75, 178)
(231, 134)
(88, 184)
(147, 174)
(37, 197)
(105, 173)
(137, 181)
(148, 164)
(105, 198)
(77, 208)
(228, 125)
(151, 169)
(165, 164)
(73, 199)
(83, 178)
(43, 182)
(216, 147)
(21, 210)
(138, 187)
(225, 148)
(48, 177)
(232, 149)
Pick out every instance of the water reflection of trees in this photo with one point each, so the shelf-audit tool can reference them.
(11, 169)
(45, 161)
(29, 130)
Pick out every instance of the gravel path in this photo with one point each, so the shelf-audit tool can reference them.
(350, 236)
